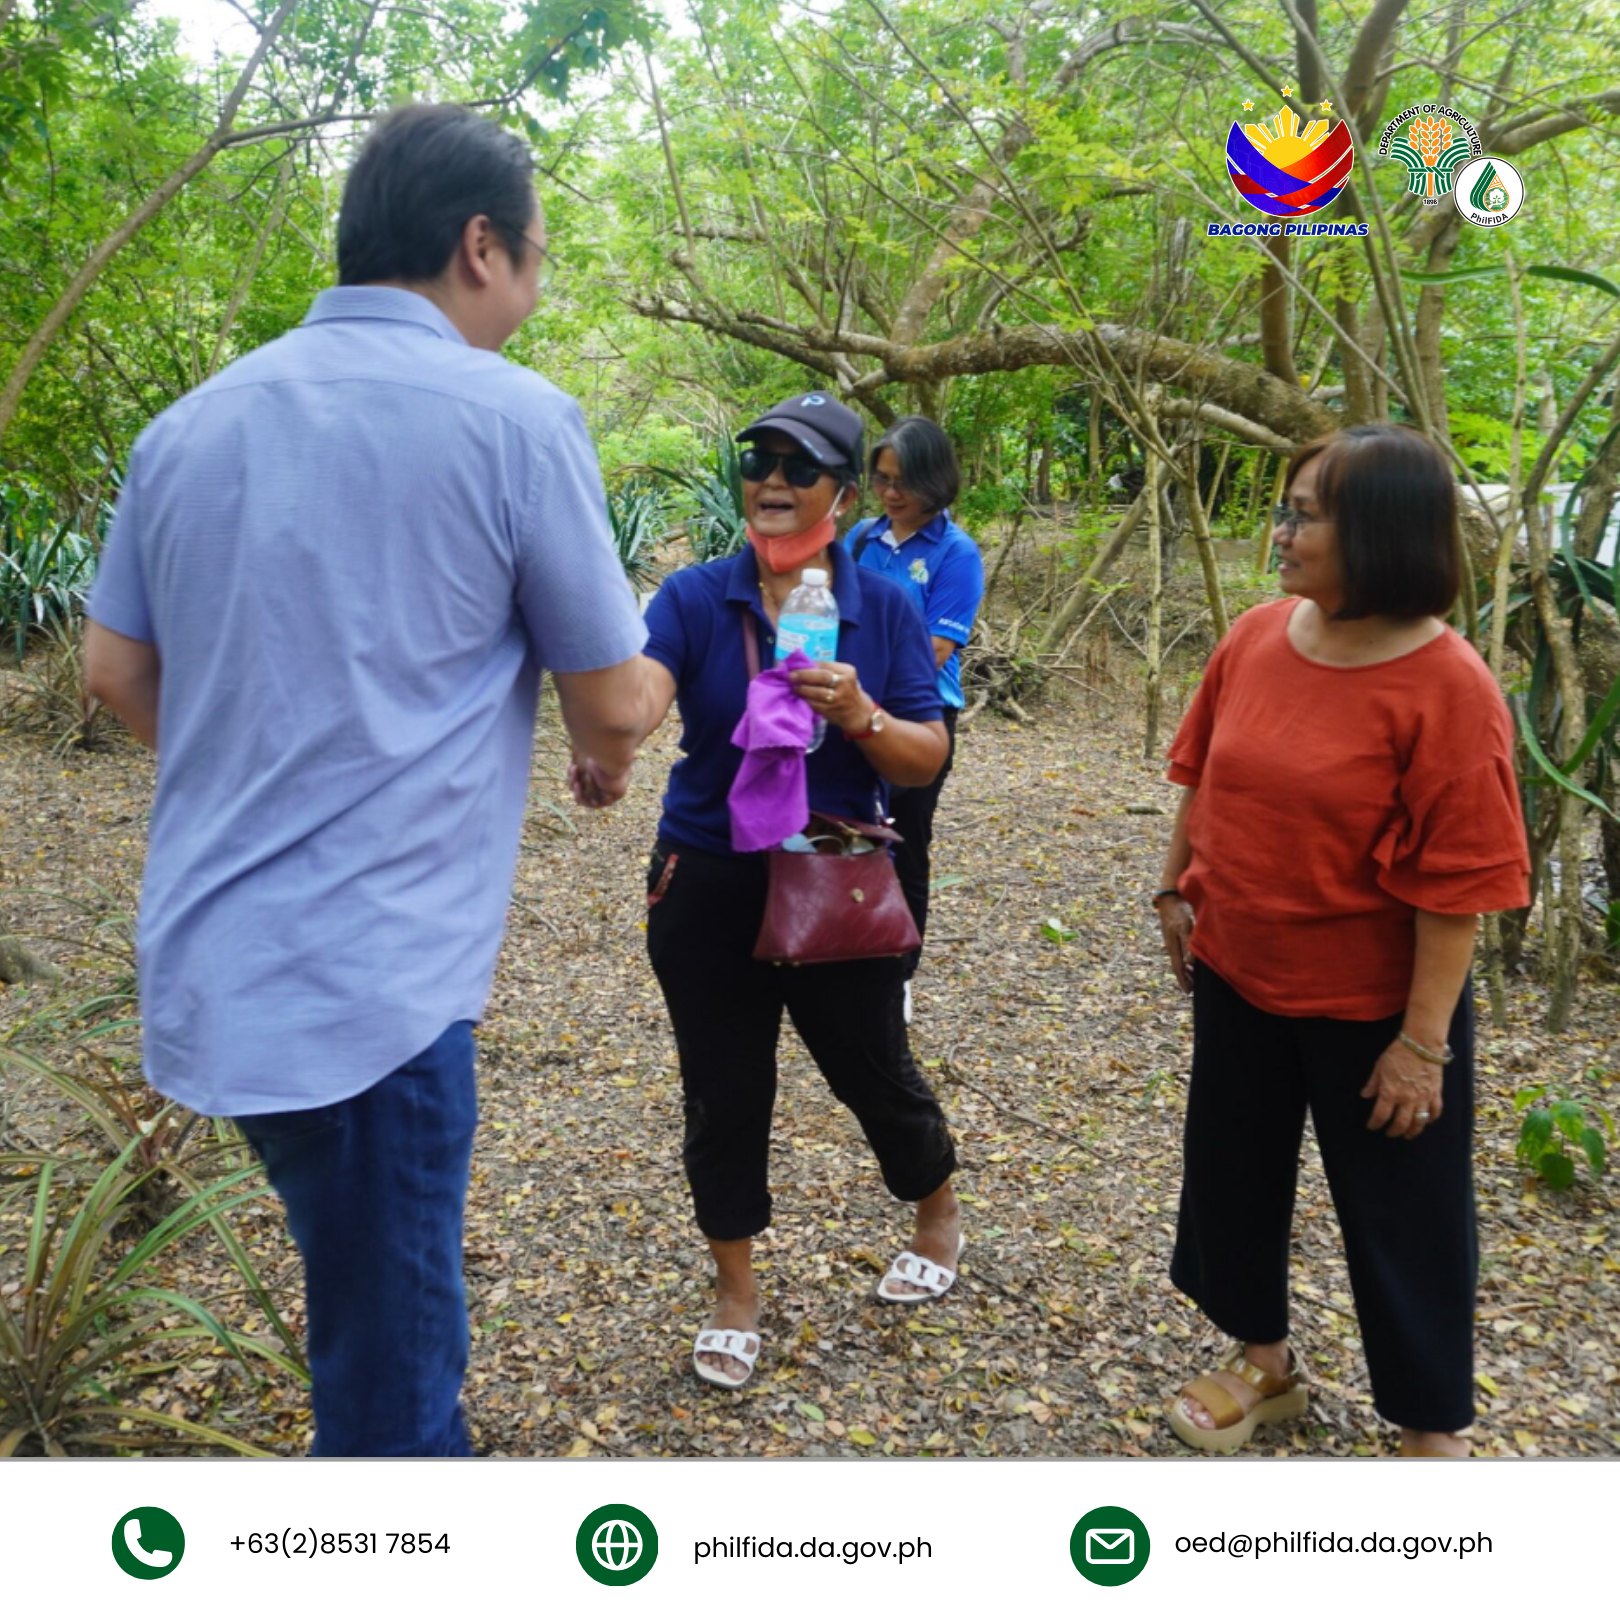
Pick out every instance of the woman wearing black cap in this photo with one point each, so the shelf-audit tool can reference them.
(880, 701)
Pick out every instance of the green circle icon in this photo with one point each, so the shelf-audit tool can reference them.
(616, 1545)
(148, 1543)
(1109, 1546)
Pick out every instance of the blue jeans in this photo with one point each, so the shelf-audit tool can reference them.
(375, 1188)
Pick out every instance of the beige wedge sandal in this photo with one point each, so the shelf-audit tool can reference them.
(1282, 1396)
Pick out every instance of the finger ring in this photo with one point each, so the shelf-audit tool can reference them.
(835, 680)
(1422, 1113)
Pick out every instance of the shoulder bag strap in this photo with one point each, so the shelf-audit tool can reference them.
(750, 642)
(857, 546)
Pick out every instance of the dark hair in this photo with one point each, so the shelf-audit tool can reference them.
(422, 174)
(927, 462)
(1393, 501)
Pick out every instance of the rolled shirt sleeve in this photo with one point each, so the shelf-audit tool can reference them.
(911, 691)
(1190, 747)
(1459, 845)
(667, 641)
(954, 595)
(571, 588)
(118, 599)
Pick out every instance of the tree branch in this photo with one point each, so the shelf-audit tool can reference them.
(150, 207)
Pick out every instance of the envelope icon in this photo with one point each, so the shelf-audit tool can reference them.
(1110, 1546)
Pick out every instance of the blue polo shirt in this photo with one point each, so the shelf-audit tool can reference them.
(695, 630)
(353, 551)
(941, 567)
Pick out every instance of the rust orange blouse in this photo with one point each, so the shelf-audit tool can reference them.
(1332, 804)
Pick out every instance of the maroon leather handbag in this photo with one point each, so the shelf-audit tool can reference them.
(832, 906)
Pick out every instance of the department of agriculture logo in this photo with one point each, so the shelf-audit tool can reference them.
(1109, 1546)
(616, 1545)
(1285, 170)
(1490, 191)
(148, 1543)
(1433, 141)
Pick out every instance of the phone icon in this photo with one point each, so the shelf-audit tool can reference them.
(161, 1559)
(148, 1543)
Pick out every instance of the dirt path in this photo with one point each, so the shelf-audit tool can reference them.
(1062, 1066)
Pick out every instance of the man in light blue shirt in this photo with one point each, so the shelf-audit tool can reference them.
(337, 571)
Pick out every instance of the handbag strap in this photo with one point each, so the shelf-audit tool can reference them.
(750, 642)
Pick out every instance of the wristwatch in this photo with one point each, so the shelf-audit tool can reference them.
(873, 726)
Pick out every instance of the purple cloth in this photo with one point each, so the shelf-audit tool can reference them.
(769, 800)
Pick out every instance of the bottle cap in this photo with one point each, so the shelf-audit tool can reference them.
(814, 576)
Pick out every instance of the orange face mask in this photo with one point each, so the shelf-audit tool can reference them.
(782, 553)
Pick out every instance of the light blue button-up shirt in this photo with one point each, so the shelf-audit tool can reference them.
(354, 550)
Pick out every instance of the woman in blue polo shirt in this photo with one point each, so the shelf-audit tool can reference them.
(916, 477)
(801, 469)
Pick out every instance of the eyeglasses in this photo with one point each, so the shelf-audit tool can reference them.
(1284, 516)
(883, 483)
(801, 471)
(547, 264)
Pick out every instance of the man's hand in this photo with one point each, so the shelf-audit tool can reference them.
(1408, 1093)
(594, 788)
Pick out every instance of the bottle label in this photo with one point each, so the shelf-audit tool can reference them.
(815, 637)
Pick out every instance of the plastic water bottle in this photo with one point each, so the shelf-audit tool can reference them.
(809, 624)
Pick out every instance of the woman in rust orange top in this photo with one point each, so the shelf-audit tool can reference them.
(1349, 811)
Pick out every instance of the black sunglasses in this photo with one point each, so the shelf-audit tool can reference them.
(801, 471)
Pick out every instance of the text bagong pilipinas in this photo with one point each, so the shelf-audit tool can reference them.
(1292, 227)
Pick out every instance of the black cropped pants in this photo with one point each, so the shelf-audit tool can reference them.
(1406, 1209)
(704, 915)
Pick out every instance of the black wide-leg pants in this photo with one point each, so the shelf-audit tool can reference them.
(1406, 1209)
(703, 918)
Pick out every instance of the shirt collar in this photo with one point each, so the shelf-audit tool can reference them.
(933, 531)
(742, 582)
(382, 304)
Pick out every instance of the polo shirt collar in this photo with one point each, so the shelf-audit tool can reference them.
(382, 304)
(933, 531)
(742, 582)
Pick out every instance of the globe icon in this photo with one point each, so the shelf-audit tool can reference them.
(617, 1544)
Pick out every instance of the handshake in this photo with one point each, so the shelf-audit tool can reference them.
(609, 714)
(593, 787)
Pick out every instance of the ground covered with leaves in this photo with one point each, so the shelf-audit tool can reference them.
(1059, 1046)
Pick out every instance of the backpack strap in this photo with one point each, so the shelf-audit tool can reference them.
(860, 537)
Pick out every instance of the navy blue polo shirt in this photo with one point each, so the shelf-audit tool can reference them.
(695, 630)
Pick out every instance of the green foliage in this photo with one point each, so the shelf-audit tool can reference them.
(1558, 1132)
(1583, 587)
(636, 513)
(1486, 442)
(47, 698)
(46, 565)
(979, 506)
(715, 525)
(86, 1324)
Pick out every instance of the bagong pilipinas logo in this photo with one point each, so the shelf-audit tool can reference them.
(1286, 171)
(1433, 142)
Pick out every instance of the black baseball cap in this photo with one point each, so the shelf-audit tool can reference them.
(831, 432)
